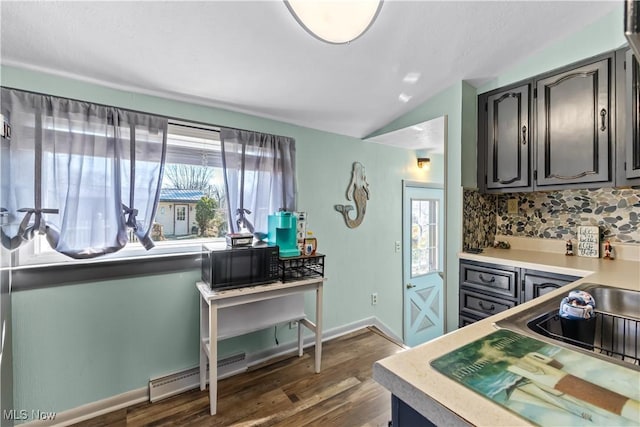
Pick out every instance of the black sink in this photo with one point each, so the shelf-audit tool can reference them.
(612, 335)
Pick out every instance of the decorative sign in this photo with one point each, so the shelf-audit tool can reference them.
(589, 241)
(358, 191)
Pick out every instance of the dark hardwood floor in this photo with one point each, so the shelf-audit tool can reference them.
(283, 392)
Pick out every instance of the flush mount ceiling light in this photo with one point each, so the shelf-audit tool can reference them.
(335, 22)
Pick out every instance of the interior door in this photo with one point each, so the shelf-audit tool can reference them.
(423, 262)
(181, 220)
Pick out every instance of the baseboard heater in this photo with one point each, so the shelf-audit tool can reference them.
(179, 382)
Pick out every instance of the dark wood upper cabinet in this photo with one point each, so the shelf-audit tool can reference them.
(508, 138)
(574, 119)
(574, 127)
(632, 113)
(627, 119)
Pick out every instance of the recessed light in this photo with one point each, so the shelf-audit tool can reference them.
(411, 78)
(404, 97)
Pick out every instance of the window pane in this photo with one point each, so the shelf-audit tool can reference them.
(424, 236)
(193, 170)
(192, 201)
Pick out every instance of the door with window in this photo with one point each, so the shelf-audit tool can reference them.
(181, 220)
(423, 262)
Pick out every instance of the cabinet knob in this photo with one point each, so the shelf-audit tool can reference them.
(410, 286)
(603, 116)
(524, 135)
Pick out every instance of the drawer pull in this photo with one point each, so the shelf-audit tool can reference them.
(493, 307)
(491, 280)
(546, 285)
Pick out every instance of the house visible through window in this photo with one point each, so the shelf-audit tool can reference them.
(192, 204)
(192, 201)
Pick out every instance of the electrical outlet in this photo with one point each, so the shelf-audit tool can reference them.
(374, 298)
(512, 206)
(398, 247)
(293, 324)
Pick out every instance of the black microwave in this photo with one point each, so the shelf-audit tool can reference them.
(239, 267)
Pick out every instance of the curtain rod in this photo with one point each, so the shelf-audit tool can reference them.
(185, 122)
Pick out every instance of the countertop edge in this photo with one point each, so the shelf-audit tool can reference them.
(417, 399)
(410, 377)
(506, 260)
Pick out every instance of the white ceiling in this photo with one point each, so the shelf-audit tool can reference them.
(429, 136)
(253, 57)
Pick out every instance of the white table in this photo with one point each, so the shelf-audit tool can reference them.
(214, 302)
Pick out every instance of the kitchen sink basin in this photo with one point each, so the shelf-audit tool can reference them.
(613, 334)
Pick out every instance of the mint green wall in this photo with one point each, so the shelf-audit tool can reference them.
(80, 343)
(446, 103)
(605, 34)
(469, 135)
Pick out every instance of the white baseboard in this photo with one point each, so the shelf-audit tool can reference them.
(114, 403)
(265, 355)
(94, 409)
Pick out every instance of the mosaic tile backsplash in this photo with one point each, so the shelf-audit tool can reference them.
(555, 214)
(479, 219)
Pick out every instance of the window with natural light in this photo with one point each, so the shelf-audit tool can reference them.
(191, 207)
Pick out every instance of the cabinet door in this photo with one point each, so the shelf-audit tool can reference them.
(403, 415)
(573, 119)
(508, 142)
(538, 283)
(632, 112)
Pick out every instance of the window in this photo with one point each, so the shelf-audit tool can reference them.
(192, 205)
(424, 236)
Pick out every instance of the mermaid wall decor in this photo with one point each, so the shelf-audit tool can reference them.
(358, 192)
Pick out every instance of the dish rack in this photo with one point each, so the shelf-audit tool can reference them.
(301, 267)
(608, 334)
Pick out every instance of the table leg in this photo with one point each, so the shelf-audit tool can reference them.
(213, 357)
(318, 327)
(204, 310)
(300, 343)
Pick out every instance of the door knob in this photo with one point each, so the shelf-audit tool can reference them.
(409, 286)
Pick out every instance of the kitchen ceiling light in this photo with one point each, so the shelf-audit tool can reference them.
(336, 22)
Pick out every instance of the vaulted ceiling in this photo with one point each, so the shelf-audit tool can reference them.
(253, 57)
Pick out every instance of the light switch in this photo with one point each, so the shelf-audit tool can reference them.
(512, 206)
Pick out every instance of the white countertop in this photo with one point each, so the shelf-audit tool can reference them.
(410, 377)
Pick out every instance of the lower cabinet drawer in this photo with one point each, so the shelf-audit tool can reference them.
(489, 278)
(481, 305)
(466, 319)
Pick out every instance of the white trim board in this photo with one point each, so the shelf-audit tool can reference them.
(123, 400)
(95, 409)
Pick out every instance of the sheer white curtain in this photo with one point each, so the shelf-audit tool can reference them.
(79, 173)
(260, 177)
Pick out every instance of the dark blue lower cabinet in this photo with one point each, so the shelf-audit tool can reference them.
(403, 415)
